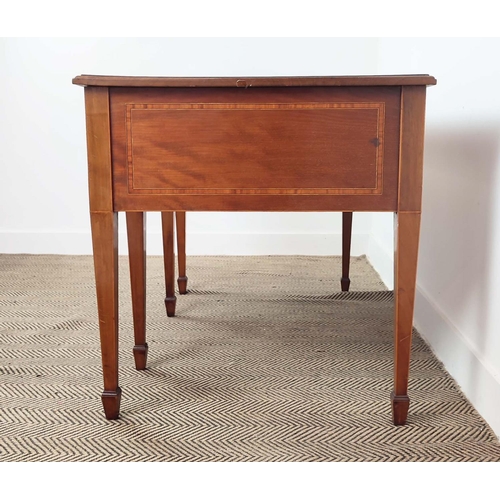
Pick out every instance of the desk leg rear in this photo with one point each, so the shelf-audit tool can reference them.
(136, 232)
(167, 222)
(180, 226)
(346, 249)
(407, 228)
(105, 245)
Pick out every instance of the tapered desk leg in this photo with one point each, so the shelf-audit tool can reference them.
(167, 221)
(407, 228)
(346, 249)
(180, 223)
(136, 229)
(105, 245)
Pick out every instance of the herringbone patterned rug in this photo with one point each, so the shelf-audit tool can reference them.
(266, 360)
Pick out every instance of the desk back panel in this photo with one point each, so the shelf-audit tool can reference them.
(255, 148)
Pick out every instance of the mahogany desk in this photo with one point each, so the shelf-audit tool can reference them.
(250, 144)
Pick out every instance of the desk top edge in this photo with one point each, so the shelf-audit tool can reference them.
(245, 82)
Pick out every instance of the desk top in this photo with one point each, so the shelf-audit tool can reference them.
(279, 81)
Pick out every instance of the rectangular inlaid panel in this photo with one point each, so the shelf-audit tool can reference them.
(300, 148)
(179, 146)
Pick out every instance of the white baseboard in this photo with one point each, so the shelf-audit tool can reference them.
(79, 243)
(382, 261)
(478, 379)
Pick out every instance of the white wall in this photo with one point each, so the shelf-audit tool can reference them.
(43, 188)
(458, 294)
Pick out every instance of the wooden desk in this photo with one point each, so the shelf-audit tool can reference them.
(243, 144)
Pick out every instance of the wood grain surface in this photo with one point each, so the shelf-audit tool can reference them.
(99, 149)
(201, 149)
(256, 149)
(251, 81)
(411, 148)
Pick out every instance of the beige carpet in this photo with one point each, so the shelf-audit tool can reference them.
(266, 360)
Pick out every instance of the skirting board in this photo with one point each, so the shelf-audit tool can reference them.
(478, 380)
(80, 243)
(382, 260)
